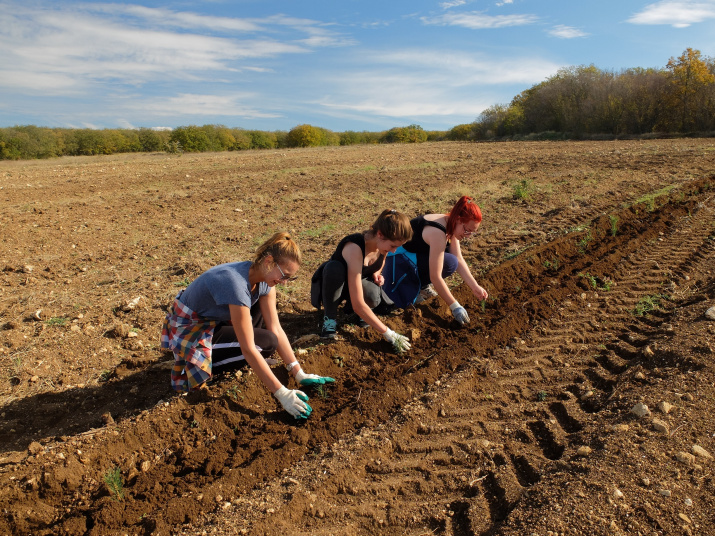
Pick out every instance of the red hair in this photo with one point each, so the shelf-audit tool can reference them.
(464, 210)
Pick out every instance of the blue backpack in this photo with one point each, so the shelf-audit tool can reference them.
(402, 279)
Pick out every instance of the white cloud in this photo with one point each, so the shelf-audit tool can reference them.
(65, 51)
(187, 104)
(418, 83)
(566, 32)
(679, 14)
(453, 3)
(478, 21)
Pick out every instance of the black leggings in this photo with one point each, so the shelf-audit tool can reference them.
(226, 352)
(335, 289)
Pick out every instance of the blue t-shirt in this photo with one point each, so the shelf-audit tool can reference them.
(210, 294)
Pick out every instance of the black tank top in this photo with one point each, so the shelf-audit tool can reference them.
(417, 244)
(359, 239)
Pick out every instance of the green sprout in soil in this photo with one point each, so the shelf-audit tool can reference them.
(594, 282)
(323, 391)
(233, 392)
(515, 254)
(484, 305)
(194, 424)
(57, 321)
(521, 190)
(183, 283)
(541, 396)
(339, 360)
(552, 265)
(488, 397)
(115, 483)
(583, 243)
(614, 224)
(591, 279)
(648, 304)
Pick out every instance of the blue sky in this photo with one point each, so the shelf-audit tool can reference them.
(337, 64)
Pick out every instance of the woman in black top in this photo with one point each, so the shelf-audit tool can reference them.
(358, 261)
(436, 242)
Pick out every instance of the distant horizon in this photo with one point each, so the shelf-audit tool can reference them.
(345, 66)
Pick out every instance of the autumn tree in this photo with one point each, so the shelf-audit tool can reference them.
(691, 81)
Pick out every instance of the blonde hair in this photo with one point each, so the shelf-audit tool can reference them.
(393, 225)
(280, 246)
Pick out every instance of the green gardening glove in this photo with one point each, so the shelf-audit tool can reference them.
(308, 380)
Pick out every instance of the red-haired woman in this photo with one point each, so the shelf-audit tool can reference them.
(435, 240)
(210, 328)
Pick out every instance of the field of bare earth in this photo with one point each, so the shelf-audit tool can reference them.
(578, 401)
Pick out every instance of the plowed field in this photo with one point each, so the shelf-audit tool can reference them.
(578, 401)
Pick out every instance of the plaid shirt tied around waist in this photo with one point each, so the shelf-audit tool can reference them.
(189, 336)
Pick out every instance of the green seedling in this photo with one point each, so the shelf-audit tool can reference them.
(183, 283)
(484, 305)
(233, 392)
(541, 396)
(583, 243)
(114, 481)
(591, 279)
(552, 265)
(521, 190)
(614, 224)
(105, 375)
(57, 321)
(648, 304)
(488, 397)
(339, 360)
(194, 424)
(323, 391)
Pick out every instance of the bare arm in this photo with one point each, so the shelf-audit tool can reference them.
(243, 326)
(437, 242)
(270, 316)
(465, 273)
(353, 256)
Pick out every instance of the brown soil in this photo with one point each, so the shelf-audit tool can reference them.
(521, 423)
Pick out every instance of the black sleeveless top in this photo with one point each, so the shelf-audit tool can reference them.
(417, 244)
(359, 239)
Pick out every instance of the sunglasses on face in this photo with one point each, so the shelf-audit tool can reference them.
(285, 277)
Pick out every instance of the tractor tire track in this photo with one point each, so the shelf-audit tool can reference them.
(482, 453)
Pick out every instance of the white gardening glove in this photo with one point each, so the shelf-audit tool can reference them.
(294, 402)
(459, 313)
(399, 342)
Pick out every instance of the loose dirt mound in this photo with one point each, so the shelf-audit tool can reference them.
(599, 278)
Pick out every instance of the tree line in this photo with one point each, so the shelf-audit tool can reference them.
(587, 102)
(32, 142)
(576, 103)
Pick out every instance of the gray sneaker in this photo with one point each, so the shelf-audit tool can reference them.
(426, 293)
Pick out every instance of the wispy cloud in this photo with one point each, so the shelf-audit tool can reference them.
(66, 51)
(475, 20)
(202, 106)
(453, 3)
(679, 14)
(566, 32)
(415, 83)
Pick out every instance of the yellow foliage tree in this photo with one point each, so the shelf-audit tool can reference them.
(690, 77)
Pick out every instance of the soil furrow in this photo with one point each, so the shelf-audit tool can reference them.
(543, 438)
